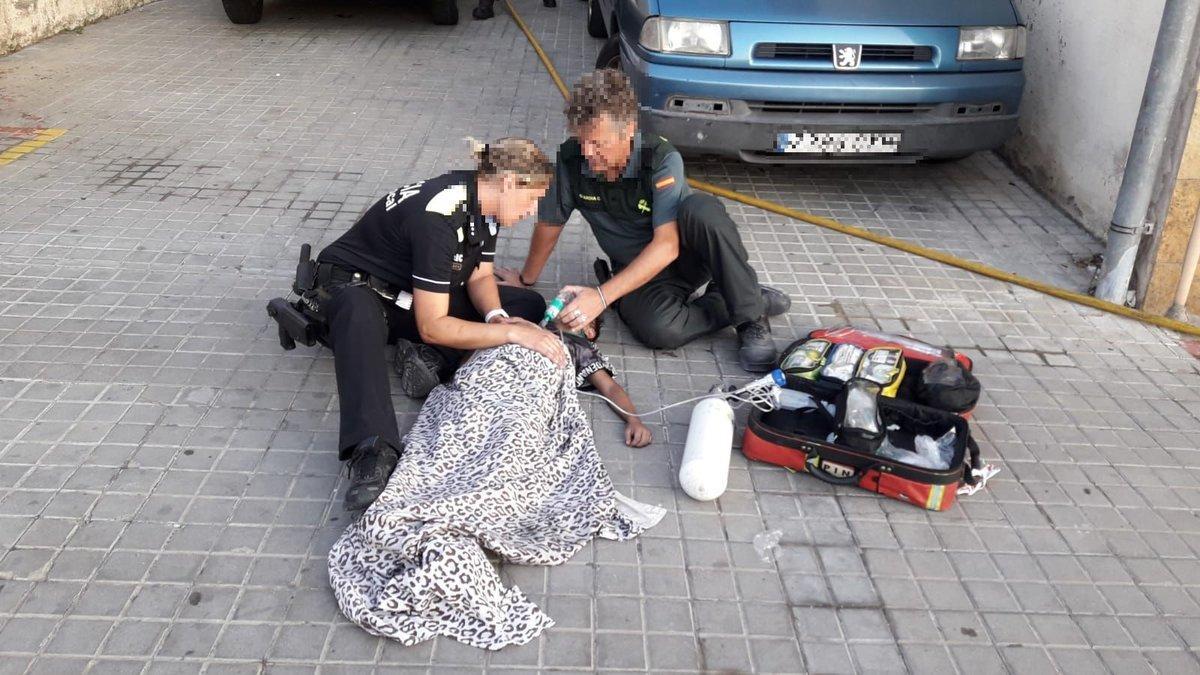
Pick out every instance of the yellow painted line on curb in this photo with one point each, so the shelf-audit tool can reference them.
(44, 136)
(885, 240)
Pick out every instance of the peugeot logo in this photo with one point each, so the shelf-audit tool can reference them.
(847, 57)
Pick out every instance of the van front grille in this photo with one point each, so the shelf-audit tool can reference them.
(824, 52)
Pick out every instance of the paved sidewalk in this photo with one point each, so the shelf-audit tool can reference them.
(168, 486)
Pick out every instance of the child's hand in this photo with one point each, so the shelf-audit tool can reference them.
(637, 435)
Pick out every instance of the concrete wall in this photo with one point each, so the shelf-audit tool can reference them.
(1086, 70)
(23, 22)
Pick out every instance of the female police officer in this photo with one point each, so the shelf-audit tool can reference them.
(416, 269)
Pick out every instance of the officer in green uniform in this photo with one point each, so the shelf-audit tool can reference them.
(663, 240)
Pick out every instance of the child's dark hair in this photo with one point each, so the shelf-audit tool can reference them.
(597, 324)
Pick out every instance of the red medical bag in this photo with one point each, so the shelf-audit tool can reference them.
(800, 442)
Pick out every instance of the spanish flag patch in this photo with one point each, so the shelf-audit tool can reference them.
(665, 183)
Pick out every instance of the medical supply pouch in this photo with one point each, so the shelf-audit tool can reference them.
(805, 359)
(857, 418)
(917, 357)
(884, 366)
(842, 362)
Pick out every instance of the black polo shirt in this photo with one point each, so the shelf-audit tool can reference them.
(427, 235)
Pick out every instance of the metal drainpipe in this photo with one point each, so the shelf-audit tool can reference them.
(1163, 86)
(1178, 309)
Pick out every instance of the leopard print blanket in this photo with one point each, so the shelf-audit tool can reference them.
(502, 459)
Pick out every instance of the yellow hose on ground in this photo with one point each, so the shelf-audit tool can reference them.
(885, 240)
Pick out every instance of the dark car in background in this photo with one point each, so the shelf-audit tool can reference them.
(443, 12)
(793, 81)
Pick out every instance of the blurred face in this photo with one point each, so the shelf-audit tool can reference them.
(606, 144)
(510, 202)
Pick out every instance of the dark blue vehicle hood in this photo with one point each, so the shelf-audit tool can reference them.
(848, 12)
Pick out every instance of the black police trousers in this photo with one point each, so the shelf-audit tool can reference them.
(360, 326)
(660, 314)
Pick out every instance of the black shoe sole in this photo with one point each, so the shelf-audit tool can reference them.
(416, 380)
(357, 502)
(757, 366)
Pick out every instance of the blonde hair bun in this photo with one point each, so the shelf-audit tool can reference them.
(511, 155)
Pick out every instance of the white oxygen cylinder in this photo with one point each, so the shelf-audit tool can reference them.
(704, 471)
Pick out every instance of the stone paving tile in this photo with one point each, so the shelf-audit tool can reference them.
(168, 489)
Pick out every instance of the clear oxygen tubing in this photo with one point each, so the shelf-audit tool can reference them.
(762, 393)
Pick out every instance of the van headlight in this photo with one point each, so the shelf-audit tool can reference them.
(685, 36)
(991, 43)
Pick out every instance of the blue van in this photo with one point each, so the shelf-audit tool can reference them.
(796, 81)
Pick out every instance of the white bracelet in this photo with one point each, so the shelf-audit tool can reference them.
(602, 298)
(494, 313)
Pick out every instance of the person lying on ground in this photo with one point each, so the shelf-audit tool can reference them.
(501, 461)
(593, 371)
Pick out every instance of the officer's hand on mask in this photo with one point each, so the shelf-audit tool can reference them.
(583, 308)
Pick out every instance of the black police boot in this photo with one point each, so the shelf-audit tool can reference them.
(602, 270)
(481, 12)
(418, 366)
(756, 350)
(776, 301)
(371, 465)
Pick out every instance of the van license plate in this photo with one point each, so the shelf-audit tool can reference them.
(837, 143)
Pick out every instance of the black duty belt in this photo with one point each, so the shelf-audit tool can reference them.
(333, 276)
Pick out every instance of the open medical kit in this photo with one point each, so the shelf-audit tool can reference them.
(886, 413)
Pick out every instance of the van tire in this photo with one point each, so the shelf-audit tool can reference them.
(610, 54)
(243, 11)
(444, 12)
(595, 20)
